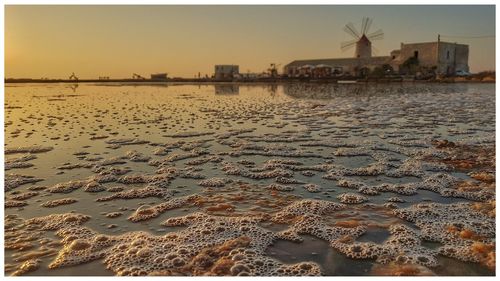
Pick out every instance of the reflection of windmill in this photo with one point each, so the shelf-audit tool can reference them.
(362, 40)
(73, 87)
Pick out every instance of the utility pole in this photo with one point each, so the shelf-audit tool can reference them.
(438, 64)
(455, 59)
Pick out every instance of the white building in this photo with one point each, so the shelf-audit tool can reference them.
(226, 71)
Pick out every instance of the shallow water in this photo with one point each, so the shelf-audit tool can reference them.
(351, 126)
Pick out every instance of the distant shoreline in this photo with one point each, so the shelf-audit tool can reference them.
(251, 81)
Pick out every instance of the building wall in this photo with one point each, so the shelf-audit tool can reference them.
(447, 57)
(395, 54)
(453, 57)
(427, 53)
(462, 58)
(226, 71)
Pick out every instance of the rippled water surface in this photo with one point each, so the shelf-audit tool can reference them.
(321, 171)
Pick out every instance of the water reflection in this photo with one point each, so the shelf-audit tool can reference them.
(328, 91)
(73, 87)
(225, 133)
(227, 89)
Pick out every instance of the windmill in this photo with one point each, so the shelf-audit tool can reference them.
(73, 77)
(362, 39)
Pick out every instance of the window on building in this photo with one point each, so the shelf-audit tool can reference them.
(447, 55)
(393, 57)
(415, 54)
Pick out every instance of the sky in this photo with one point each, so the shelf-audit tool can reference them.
(117, 41)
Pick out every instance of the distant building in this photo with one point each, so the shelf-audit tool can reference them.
(226, 71)
(446, 58)
(159, 77)
(439, 57)
(326, 67)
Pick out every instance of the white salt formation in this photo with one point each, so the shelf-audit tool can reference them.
(12, 181)
(30, 149)
(58, 202)
(208, 246)
(19, 162)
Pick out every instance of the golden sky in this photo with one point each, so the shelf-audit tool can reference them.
(116, 41)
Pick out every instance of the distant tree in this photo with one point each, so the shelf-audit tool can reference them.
(411, 61)
(484, 74)
(364, 72)
(409, 66)
(377, 72)
(337, 71)
(381, 71)
(387, 69)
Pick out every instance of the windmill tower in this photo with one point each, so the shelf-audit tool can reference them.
(362, 40)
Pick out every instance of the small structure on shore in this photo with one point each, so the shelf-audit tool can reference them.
(159, 77)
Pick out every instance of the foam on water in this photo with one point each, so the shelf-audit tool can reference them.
(179, 180)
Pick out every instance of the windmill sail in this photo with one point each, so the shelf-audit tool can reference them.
(348, 44)
(368, 24)
(351, 30)
(377, 35)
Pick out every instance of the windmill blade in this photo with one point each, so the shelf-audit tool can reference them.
(368, 25)
(363, 25)
(348, 44)
(376, 35)
(351, 30)
(345, 48)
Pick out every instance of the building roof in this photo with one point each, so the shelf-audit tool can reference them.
(363, 39)
(340, 61)
(433, 42)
